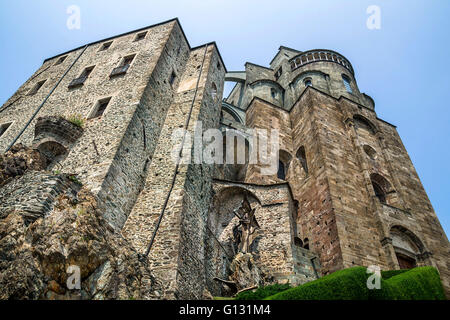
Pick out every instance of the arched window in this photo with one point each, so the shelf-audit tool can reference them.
(281, 174)
(370, 151)
(381, 186)
(347, 82)
(379, 192)
(308, 82)
(363, 123)
(301, 156)
(407, 247)
(284, 162)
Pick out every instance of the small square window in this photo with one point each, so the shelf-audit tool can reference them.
(82, 78)
(105, 46)
(36, 87)
(127, 60)
(123, 66)
(87, 72)
(140, 36)
(172, 78)
(99, 108)
(60, 60)
(4, 127)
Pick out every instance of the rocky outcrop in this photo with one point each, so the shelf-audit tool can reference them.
(38, 256)
(18, 160)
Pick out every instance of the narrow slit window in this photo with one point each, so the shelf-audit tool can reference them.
(281, 174)
(36, 87)
(4, 127)
(273, 93)
(278, 73)
(172, 78)
(301, 156)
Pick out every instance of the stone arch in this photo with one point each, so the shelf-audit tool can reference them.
(408, 247)
(363, 123)
(234, 115)
(53, 151)
(221, 247)
(382, 187)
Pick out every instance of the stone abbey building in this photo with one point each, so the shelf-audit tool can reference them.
(345, 194)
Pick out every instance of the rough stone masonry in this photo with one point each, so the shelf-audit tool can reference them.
(88, 177)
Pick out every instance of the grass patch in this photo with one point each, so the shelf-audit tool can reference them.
(77, 120)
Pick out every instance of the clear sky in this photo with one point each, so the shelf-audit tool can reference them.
(404, 65)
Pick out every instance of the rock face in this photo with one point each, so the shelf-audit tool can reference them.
(18, 160)
(35, 254)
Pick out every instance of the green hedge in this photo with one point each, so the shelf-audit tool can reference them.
(390, 273)
(350, 284)
(263, 292)
(421, 283)
(347, 284)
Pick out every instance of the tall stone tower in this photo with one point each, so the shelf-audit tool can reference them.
(357, 197)
(133, 90)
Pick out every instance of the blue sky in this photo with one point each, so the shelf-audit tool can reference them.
(404, 66)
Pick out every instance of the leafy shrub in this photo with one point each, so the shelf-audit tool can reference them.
(263, 292)
(77, 120)
(421, 283)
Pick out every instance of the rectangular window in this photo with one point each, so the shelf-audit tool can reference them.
(36, 87)
(140, 36)
(4, 127)
(99, 108)
(123, 67)
(60, 60)
(105, 46)
(82, 78)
